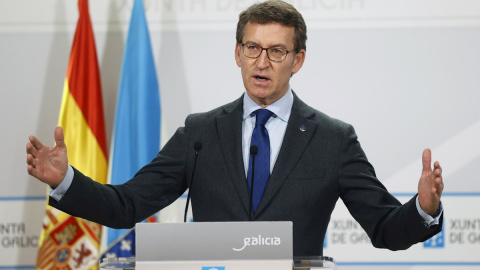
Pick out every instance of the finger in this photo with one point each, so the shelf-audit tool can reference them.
(59, 138)
(436, 165)
(439, 181)
(438, 170)
(31, 161)
(37, 144)
(439, 185)
(31, 150)
(427, 160)
(31, 171)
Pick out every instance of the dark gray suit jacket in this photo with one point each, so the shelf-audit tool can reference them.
(314, 168)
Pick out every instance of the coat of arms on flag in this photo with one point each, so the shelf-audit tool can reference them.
(69, 245)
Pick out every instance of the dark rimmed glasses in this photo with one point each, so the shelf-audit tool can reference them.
(275, 54)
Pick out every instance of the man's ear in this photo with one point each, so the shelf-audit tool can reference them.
(298, 61)
(237, 54)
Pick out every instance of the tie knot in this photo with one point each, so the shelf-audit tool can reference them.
(262, 116)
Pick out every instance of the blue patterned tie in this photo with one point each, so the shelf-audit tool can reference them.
(262, 159)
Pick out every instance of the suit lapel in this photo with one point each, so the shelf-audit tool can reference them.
(297, 136)
(229, 126)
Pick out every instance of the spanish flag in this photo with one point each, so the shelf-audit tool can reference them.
(68, 242)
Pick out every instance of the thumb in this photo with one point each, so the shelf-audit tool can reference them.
(427, 160)
(59, 139)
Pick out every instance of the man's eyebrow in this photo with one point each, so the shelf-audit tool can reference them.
(281, 45)
(250, 42)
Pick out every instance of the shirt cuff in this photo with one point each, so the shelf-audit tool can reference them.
(59, 191)
(428, 220)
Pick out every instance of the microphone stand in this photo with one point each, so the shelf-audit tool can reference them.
(197, 146)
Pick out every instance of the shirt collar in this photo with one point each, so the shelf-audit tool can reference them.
(280, 108)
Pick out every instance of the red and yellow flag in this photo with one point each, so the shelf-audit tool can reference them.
(68, 242)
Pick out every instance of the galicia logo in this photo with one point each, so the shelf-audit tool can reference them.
(259, 241)
(437, 241)
(213, 267)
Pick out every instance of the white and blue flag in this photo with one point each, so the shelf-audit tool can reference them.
(136, 137)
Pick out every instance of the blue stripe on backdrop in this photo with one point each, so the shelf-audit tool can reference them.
(136, 139)
(24, 198)
(17, 266)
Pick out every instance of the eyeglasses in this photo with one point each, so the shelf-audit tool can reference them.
(275, 54)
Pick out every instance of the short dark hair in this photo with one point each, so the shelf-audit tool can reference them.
(274, 11)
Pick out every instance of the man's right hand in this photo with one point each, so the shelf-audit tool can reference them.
(48, 164)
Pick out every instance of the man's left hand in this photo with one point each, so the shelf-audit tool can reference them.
(430, 186)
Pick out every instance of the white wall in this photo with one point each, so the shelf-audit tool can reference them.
(406, 74)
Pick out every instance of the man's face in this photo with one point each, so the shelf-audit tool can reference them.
(268, 81)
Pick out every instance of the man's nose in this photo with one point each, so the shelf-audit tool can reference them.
(262, 60)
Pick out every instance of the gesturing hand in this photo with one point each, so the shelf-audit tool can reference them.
(48, 164)
(430, 186)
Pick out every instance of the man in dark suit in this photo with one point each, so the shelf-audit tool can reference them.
(312, 159)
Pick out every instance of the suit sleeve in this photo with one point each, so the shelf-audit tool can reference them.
(154, 187)
(388, 223)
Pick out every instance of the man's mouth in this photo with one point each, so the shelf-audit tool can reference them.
(261, 78)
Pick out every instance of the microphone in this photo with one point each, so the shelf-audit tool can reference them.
(197, 146)
(253, 152)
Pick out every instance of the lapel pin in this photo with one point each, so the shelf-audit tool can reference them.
(303, 128)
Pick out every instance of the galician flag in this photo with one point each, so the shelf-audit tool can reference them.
(136, 138)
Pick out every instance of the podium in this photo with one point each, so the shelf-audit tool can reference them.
(216, 246)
